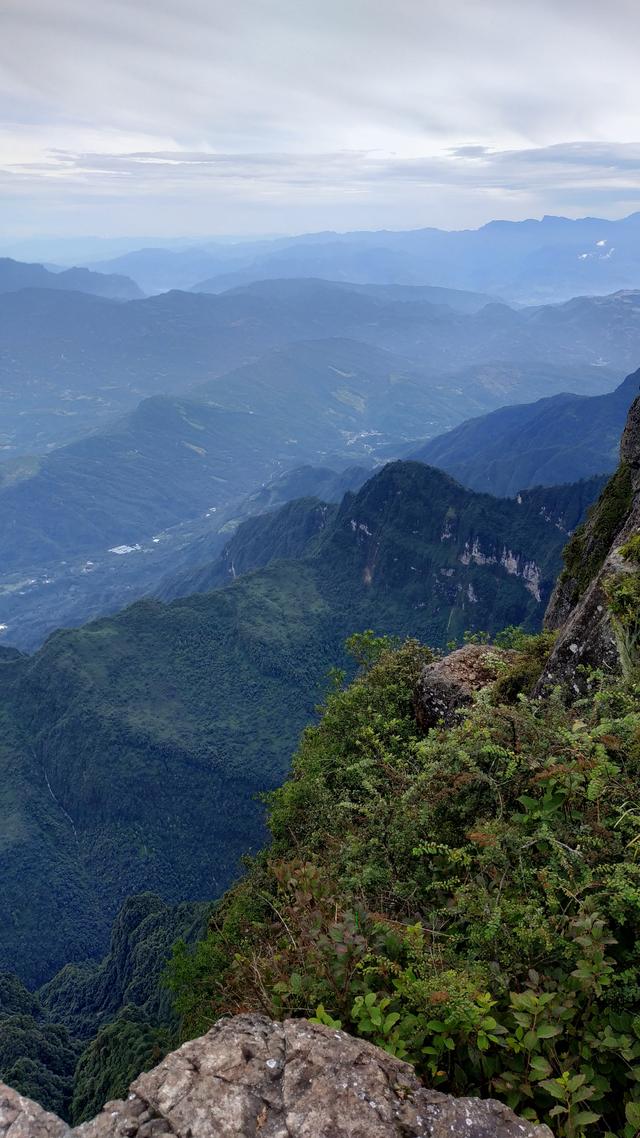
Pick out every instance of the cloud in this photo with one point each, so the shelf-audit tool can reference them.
(564, 166)
(426, 111)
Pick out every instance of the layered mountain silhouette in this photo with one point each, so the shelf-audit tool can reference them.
(543, 260)
(555, 440)
(174, 461)
(17, 275)
(71, 362)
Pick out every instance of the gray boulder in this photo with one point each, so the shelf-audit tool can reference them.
(449, 684)
(252, 1078)
(21, 1118)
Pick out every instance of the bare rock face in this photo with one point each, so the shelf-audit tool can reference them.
(21, 1118)
(586, 637)
(252, 1078)
(450, 683)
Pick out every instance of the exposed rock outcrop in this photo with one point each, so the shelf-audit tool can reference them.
(586, 638)
(22, 1118)
(252, 1078)
(450, 683)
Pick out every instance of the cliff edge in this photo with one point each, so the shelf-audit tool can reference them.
(579, 607)
(252, 1078)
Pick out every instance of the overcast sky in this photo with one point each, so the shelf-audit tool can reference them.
(263, 116)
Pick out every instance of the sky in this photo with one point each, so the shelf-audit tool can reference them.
(230, 117)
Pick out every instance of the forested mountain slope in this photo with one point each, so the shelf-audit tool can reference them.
(394, 900)
(70, 592)
(555, 440)
(451, 859)
(121, 999)
(287, 533)
(137, 743)
(297, 528)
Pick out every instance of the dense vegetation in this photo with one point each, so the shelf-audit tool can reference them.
(585, 553)
(132, 749)
(468, 900)
(285, 533)
(38, 1058)
(84, 1036)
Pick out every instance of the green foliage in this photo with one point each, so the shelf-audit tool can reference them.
(631, 549)
(118, 1054)
(366, 648)
(623, 595)
(133, 750)
(86, 997)
(36, 1058)
(94, 1027)
(468, 900)
(585, 552)
(519, 674)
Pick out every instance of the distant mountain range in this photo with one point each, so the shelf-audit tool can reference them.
(70, 362)
(528, 261)
(132, 749)
(16, 275)
(555, 440)
(175, 459)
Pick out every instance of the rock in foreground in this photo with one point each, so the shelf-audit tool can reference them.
(449, 684)
(252, 1078)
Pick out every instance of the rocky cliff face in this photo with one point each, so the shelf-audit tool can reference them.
(250, 1077)
(578, 605)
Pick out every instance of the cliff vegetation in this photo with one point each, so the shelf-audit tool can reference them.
(467, 899)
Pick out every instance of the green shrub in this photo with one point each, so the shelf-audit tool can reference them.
(469, 900)
(623, 594)
(586, 550)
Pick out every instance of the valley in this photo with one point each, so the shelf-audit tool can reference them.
(319, 569)
(94, 359)
(151, 481)
(142, 738)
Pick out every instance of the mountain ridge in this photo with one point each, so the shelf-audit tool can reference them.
(160, 692)
(18, 275)
(563, 438)
(94, 359)
(547, 259)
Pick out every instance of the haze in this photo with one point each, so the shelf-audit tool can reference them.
(202, 117)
